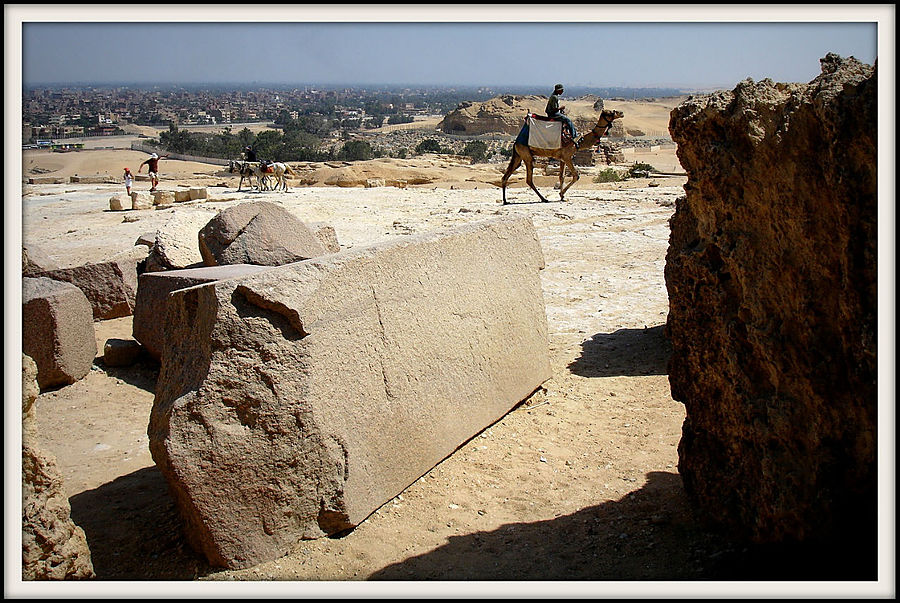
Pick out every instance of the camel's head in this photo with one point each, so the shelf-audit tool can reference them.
(609, 115)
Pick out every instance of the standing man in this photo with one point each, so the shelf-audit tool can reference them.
(555, 111)
(249, 154)
(153, 168)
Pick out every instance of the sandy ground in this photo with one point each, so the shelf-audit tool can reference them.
(578, 483)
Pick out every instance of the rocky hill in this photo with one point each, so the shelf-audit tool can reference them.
(504, 114)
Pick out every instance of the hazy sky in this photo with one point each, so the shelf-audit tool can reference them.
(438, 48)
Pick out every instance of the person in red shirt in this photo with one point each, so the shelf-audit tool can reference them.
(153, 169)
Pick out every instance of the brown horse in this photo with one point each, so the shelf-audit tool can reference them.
(522, 153)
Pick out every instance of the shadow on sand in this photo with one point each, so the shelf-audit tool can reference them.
(134, 531)
(626, 352)
(650, 534)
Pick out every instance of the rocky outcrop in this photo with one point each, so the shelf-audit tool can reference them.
(53, 547)
(506, 115)
(57, 331)
(503, 114)
(771, 274)
(296, 401)
(258, 233)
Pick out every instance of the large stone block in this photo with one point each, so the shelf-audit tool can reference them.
(57, 330)
(771, 274)
(296, 401)
(163, 197)
(260, 233)
(150, 324)
(197, 192)
(119, 202)
(110, 286)
(141, 200)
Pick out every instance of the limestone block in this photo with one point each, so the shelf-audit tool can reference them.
(374, 182)
(260, 233)
(175, 244)
(53, 547)
(182, 196)
(772, 283)
(163, 197)
(57, 330)
(401, 183)
(197, 192)
(141, 200)
(119, 202)
(149, 324)
(147, 239)
(35, 260)
(99, 179)
(294, 402)
(110, 286)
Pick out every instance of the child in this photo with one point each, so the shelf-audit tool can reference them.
(129, 180)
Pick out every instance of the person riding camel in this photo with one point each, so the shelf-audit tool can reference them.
(555, 111)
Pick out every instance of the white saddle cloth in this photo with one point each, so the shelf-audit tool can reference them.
(544, 134)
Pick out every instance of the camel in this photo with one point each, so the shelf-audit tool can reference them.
(522, 153)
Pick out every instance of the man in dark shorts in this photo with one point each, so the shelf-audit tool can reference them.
(153, 168)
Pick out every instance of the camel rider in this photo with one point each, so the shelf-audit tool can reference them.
(555, 111)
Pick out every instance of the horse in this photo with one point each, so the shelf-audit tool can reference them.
(279, 171)
(250, 169)
(247, 170)
(522, 153)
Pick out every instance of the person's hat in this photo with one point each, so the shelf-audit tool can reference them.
(127, 170)
(558, 87)
(154, 156)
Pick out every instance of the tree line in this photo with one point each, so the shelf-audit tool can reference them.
(299, 139)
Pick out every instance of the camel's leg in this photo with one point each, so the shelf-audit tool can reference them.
(571, 166)
(529, 177)
(562, 177)
(514, 162)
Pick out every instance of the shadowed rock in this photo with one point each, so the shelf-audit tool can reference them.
(109, 286)
(57, 331)
(771, 274)
(297, 400)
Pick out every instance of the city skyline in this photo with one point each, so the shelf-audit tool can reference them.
(311, 49)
